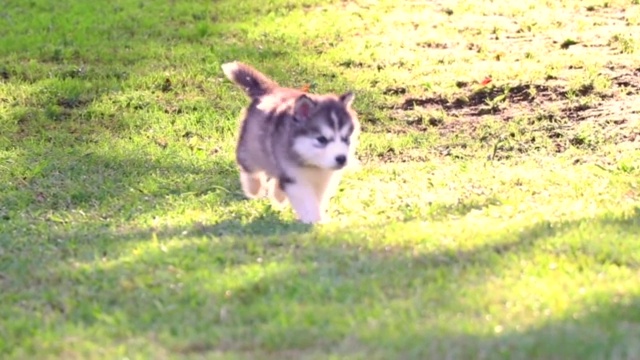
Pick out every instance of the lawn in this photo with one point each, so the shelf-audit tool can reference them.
(495, 214)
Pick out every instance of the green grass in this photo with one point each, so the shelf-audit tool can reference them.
(497, 221)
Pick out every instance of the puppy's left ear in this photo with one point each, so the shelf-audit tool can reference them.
(347, 98)
(303, 108)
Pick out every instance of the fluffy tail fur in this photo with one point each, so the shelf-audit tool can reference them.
(253, 82)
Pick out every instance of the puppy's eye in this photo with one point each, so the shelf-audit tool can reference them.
(346, 140)
(322, 140)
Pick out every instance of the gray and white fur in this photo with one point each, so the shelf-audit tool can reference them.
(293, 146)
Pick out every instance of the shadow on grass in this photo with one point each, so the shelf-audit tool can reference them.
(607, 331)
(95, 181)
(213, 288)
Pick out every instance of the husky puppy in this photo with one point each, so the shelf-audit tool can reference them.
(293, 145)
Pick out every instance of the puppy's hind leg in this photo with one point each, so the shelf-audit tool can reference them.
(253, 184)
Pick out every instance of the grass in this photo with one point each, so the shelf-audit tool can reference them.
(495, 220)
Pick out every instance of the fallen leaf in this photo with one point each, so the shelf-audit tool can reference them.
(305, 88)
(163, 143)
(166, 85)
(40, 197)
(567, 43)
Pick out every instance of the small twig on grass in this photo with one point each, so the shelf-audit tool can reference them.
(502, 139)
(215, 187)
(603, 168)
(547, 128)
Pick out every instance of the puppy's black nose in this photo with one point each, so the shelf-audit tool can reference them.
(341, 160)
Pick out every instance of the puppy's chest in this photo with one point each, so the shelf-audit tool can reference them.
(317, 178)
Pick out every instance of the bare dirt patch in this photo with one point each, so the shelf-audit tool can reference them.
(617, 105)
(590, 80)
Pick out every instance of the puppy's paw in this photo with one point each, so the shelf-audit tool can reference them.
(319, 220)
(309, 219)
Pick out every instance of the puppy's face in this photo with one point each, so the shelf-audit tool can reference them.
(326, 131)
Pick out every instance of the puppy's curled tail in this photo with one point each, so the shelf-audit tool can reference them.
(253, 82)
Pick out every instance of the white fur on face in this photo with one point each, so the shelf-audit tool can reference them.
(324, 155)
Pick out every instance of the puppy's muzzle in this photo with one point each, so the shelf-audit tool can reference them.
(341, 161)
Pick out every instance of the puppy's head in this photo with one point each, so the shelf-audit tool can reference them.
(326, 130)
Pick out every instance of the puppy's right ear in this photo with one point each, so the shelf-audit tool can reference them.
(303, 108)
(347, 98)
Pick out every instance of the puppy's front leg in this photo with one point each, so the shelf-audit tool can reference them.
(304, 202)
(326, 191)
